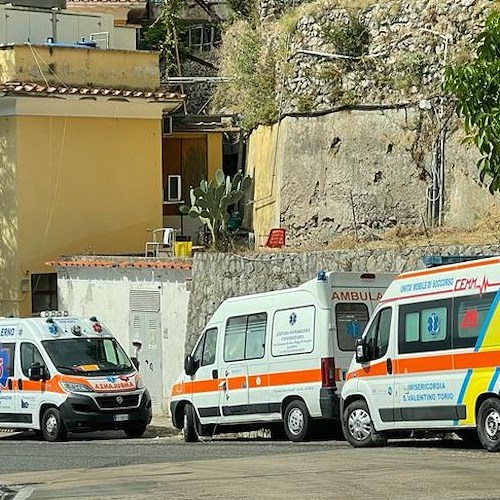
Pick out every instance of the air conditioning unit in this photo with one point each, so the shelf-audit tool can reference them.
(167, 125)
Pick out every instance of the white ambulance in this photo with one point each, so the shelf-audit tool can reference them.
(429, 360)
(62, 374)
(275, 358)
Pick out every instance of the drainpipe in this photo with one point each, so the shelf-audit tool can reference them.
(54, 24)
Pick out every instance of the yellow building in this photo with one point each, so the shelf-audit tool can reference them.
(80, 161)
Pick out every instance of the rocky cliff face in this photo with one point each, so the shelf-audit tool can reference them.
(396, 50)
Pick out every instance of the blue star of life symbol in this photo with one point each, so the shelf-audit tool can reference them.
(111, 379)
(433, 324)
(4, 363)
(293, 319)
(353, 328)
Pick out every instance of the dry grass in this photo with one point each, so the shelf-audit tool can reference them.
(485, 231)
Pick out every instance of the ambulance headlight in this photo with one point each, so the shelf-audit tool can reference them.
(140, 383)
(73, 387)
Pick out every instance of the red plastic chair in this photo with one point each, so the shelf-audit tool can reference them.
(276, 238)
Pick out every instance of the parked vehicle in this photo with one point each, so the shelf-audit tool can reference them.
(429, 358)
(275, 359)
(60, 373)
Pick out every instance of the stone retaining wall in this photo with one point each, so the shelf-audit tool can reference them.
(217, 276)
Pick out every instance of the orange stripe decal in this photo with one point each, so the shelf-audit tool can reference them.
(443, 362)
(254, 381)
(449, 268)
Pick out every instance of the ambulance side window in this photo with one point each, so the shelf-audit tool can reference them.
(425, 327)
(29, 355)
(245, 337)
(210, 347)
(470, 314)
(377, 337)
(7, 359)
(205, 351)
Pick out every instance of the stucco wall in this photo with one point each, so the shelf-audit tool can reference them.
(79, 66)
(105, 294)
(86, 186)
(11, 296)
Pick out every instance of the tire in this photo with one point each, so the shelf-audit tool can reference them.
(488, 424)
(53, 428)
(135, 431)
(297, 421)
(190, 426)
(358, 426)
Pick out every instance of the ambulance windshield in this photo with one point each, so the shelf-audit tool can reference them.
(88, 356)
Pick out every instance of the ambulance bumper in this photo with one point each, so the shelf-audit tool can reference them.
(329, 403)
(82, 414)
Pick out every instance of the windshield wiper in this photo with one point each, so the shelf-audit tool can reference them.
(72, 368)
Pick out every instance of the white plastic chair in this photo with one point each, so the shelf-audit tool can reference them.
(163, 240)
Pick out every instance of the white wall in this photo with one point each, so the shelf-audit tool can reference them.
(20, 25)
(104, 292)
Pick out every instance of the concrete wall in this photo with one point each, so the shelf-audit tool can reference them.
(105, 294)
(358, 170)
(80, 67)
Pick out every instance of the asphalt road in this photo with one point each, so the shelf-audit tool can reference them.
(109, 467)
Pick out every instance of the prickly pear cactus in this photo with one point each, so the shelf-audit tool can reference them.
(210, 202)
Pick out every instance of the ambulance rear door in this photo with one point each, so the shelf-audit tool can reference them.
(354, 297)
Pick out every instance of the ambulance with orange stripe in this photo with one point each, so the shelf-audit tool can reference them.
(61, 374)
(429, 358)
(275, 360)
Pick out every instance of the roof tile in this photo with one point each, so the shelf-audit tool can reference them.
(131, 262)
(30, 88)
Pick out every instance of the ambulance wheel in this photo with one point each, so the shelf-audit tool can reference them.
(358, 426)
(297, 421)
(135, 431)
(53, 428)
(488, 424)
(190, 427)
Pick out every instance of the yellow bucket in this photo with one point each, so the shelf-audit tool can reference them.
(183, 248)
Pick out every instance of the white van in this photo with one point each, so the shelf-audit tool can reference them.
(276, 357)
(60, 373)
(429, 360)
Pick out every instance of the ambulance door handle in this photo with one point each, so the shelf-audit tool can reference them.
(215, 374)
(9, 384)
(20, 384)
(389, 366)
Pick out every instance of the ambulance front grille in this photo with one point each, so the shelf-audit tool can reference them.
(118, 402)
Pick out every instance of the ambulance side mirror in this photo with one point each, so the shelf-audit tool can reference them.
(189, 365)
(37, 372)
(361, 351)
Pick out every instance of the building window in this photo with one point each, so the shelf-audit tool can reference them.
(43, 292)
(174, 191)
(203, 37)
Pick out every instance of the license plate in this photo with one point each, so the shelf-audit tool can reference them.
(121, 417)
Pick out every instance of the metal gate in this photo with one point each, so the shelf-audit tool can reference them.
(145, 327)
